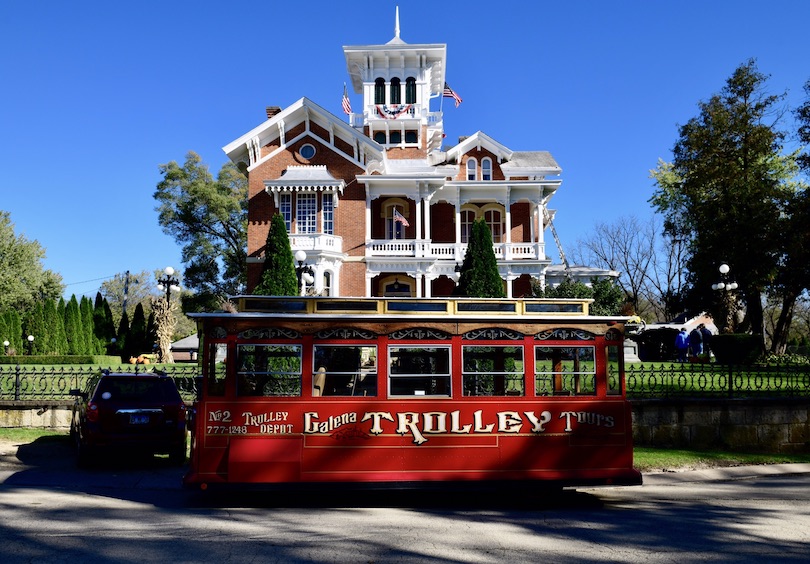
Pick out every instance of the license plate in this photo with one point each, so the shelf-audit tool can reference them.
(138, 419)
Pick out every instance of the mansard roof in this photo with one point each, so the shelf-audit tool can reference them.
(247, 147)
(530, 163)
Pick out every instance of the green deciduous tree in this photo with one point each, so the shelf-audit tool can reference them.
(479, 276)
(23, 281)
(208, 217)
(726, 192)
(278, 274)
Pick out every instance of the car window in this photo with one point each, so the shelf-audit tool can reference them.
(137, 389)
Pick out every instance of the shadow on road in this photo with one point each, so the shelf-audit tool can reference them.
(50, 462)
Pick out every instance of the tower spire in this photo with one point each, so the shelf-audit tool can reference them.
(396, 25)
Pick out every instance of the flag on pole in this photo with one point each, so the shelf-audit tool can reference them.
(398, 217)
(347, 105)
(450, 93)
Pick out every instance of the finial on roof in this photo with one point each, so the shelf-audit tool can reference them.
(396, 40)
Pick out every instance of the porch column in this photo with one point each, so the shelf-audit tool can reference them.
(507, 239)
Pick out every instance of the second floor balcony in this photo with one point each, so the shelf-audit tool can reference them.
(417, 248)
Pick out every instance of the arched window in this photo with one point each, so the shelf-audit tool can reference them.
(396, 137)
(396, 92)
(411, 137)
(379, 91)
(379, 137)
(486, 168)
(467, 219)
(472, 165)
(494, 219)
(410, 90)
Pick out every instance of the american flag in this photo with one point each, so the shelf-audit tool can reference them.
(450, 93)
(347, 105)
(400, 218)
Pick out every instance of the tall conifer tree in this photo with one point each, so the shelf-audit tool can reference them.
(278, 275)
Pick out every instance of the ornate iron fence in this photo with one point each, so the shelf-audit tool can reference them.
(695, 380)
(643, 381)
(26, 383)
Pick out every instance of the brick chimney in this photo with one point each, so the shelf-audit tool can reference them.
(272, 110)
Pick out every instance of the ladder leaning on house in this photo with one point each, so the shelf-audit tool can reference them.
(557, 241)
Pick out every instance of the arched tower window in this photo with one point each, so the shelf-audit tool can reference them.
(486, 168)
(472, 166)
(379, 91)
(410, 90)
(396, 92)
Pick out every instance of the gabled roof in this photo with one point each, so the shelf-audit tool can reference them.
(479, 140)
(246, 147)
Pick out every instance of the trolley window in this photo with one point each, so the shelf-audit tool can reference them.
(344, 370)
(493, 371)
(216, 369)
(419, 371)
(269, 370)
(561, 370)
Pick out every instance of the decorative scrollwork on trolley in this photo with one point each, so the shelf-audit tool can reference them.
(270, 333)
(613, 335)
(346, 333)
(418, 333)
(564, 334)
(218, 333)
(493, 334)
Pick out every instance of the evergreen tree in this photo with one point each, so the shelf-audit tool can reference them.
(479, 272)
(725, 196)
(278, 276)
(103, 326)
(14, 325)
(123, 335)
(74, 329)
(56, 329)
(90, 341)
(608, 297)
(34, 325)
(136, 340)
(151, 331)
(4, 332)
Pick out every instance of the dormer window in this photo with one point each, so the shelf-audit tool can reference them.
(396, 93)
(379, 91)
(410, 90)
(486, 168)
(472, 169)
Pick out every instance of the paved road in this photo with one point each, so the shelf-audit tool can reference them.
(136, 512)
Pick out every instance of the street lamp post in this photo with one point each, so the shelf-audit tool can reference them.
(168, 283)
(303, 272)
(164, 316)
(30, 345)
(5, 347)
(726, 285)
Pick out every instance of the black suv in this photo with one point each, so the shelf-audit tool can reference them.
(129, 411)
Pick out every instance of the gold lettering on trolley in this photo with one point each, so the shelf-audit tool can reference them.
(417, 424)
(376, 418)
(538, 425)
(587, 418)
(408, 422)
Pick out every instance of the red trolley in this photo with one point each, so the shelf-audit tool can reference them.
(404, 392)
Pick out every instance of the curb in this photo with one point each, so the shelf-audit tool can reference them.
(727, 474)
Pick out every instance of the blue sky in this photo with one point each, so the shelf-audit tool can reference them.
(96, 95)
